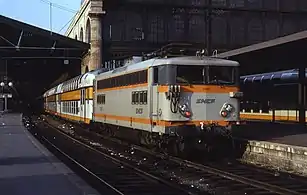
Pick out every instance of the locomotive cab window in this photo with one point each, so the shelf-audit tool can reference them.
(191, 75)
(223, 75)
(212, 75)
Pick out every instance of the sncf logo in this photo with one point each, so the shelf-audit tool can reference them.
(205, 101)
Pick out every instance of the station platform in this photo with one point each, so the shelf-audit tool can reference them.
(282, 146)
(27, 167)
(278, 132)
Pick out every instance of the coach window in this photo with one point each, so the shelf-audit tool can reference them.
(73, 107)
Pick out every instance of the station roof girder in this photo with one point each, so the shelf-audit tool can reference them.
(21, 40)
(282, 53)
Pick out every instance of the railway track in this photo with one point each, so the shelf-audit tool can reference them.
(116, 177)
(213, 179)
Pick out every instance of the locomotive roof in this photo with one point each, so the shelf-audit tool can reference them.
(195, 60)
(186, 60)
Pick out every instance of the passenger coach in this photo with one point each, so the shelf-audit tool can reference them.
(73, 99)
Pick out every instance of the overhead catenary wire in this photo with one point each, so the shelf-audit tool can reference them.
(59, 6)
(62, 8)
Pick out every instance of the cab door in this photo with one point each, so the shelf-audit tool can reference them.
(153, 97)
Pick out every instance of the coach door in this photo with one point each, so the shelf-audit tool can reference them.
(83, 105)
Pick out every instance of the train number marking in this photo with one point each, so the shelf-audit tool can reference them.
(139, 111)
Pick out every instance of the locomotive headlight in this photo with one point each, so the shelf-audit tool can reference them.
(228, 107)
(224, 113)
(184, 110)
(226, 110)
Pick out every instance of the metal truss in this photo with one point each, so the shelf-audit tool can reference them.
(17, 47)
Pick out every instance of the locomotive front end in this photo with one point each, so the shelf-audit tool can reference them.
(199, 97)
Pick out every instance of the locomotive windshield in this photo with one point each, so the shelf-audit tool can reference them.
(212, 75)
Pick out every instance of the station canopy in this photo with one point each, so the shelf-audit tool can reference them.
(24, 41)
(279, 76)
(283, 53)
(33, 58)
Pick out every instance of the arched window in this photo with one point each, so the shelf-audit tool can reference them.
(81, 34)
(88, 31)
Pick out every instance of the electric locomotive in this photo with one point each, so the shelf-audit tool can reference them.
(164, 102)
(171, 102)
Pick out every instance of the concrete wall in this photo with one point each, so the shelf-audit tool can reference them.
(277, 156)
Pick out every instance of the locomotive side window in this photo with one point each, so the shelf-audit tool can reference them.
(139, 97)
(145, 97)
(101, 99)
(123, 80)
(133, 98)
